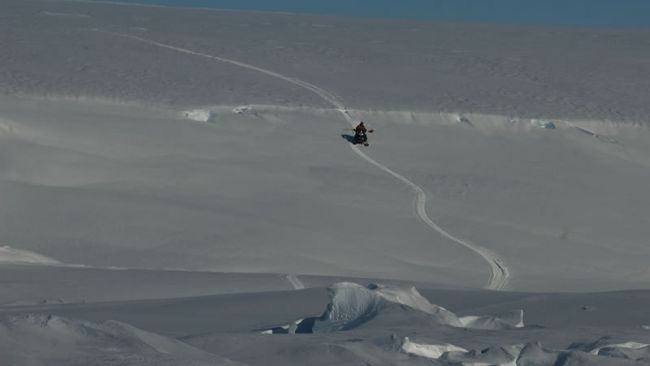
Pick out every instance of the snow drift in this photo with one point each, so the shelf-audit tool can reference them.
(38, 339)
(199, 115)
(352, 305)
(19, 256)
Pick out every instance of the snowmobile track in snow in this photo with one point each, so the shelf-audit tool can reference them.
(499, 273)
(295, 282)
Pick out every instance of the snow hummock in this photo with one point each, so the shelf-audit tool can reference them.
(13, 255)
(199, 115)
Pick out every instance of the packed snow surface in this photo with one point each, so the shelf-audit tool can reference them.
(494, 165)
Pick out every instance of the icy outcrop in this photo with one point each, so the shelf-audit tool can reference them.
(352, 305)
(19, 256)
(200, 115)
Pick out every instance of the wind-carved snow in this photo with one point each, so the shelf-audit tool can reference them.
(13, 255)
(499, 272)
(200, 115)
(352, 305)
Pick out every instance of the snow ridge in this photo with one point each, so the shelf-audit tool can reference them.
(499, 273)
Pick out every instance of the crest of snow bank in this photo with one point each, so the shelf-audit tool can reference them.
(13, 255)
(352, 305)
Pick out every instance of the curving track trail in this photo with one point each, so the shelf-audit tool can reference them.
(499, 273)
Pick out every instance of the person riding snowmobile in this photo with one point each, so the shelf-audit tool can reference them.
(360, 133)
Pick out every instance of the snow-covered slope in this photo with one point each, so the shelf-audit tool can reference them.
(196, 166)
(36, 339)
(13, 255)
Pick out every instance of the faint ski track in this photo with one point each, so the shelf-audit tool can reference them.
(295, 282)
(499, 272)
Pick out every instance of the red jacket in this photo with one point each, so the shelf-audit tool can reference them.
(360, 129)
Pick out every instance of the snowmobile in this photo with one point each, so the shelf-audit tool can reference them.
(361, 138)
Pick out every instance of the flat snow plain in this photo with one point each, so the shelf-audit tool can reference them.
(160, 205)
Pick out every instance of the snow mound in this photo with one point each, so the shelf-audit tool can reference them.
(454, 355)
(501, 356)
(433, 351)
(19, 256)
(542, 124)
(514, 319)
(459, 118)
(352, 305)
(56, 340)
(199, 115)
(242, 109)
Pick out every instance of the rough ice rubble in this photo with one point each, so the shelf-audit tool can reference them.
(13, 255)
(352, 305)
